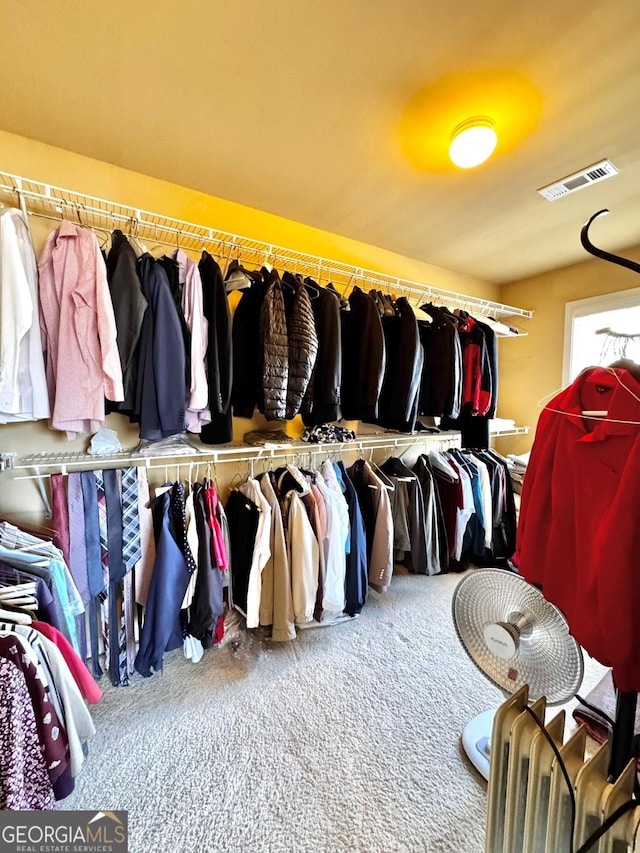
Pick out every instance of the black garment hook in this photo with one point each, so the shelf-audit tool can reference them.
(600, 253)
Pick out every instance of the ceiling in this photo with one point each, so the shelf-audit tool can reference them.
(296, 108)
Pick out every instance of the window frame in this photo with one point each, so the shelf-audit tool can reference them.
(591, 305)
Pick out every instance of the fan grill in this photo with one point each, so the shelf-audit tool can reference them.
(547, 658)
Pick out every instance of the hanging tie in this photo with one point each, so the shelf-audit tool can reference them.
(60, 515)
(132, 553)
(104, 561)
(78, 551)
(95, 576)
(117, 570)
(130, 518)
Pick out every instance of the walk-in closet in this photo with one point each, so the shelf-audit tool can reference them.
(317, 371)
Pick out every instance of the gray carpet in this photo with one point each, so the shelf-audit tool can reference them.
(344, 740)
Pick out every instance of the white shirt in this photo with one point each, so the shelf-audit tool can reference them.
(261, 550)
(23, 386)
(487, 502)
(336, 542)
(304, 558)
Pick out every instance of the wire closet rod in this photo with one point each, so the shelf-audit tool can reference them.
(39, 198)
(230, 453)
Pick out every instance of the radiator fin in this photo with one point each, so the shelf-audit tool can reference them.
(528, 807)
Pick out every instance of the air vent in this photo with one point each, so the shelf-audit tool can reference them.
(572, 183)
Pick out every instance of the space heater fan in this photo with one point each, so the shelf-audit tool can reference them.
(520, 641)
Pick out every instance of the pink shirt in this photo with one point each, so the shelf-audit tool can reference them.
(197, 412)
(78, 330)
(81, 675)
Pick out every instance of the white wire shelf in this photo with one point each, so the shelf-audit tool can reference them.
(230, 453)
(501, 433)
(53, 202)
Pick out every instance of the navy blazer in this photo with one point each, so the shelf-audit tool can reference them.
(161, 391)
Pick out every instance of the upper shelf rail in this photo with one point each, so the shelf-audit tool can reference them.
(53, 202)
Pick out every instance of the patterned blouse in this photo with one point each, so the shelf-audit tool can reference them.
(24, 780)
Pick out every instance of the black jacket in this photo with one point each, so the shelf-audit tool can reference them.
(172, 269)
(247, 357)
(129, 307)
(208, 605)
(303, 341)
(321, 404)
(441, 386)
(161, 388)
(403, 371)
(274, 347)
(219, 354)
(492, 352)
(363, 358)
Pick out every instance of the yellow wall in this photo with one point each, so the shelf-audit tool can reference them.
(531, 368)
(32, 159)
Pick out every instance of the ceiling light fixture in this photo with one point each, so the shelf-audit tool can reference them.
(472, 142)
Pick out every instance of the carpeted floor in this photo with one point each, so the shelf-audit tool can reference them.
(344, 740)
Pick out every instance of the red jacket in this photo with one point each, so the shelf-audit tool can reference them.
(579, 529)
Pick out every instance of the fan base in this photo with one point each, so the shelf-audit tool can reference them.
(476, 741)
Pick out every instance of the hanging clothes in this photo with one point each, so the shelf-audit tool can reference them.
(399, 396)
(274, 350)
(24, 780)
(243, 517)
(442, 375)
(23, 385)
(129, 308)
(51, 733)
(451, 493)
(261, 549)
(356, 575)
(276, 602)
(219, 354)
(477, 385)
(434, 525)
(197, 413)
(162, 629)
(412, 547)
(176, 285)
(378, 519)
(40, 558)
(303, 342)
(79, 331)
(161, 388)
(207, 605)
(303, 550)
(247, 358)
(578, 528)
(322, 401)
(363, 358)
(335, 543)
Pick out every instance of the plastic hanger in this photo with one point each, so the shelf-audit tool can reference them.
(595, 414)
(601, 253)
(16, 616)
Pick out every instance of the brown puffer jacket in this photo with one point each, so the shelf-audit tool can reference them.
(303, 346)
(275, 353)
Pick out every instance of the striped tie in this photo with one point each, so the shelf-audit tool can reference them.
(130, 519)
(104, 558)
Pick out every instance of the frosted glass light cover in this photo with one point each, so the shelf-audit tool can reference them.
(473, 142)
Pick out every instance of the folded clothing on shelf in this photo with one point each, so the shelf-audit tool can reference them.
(328, 434)
(264, 437)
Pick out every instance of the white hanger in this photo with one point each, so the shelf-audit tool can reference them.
(15, 617)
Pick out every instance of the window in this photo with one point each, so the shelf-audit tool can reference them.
(600, 330)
